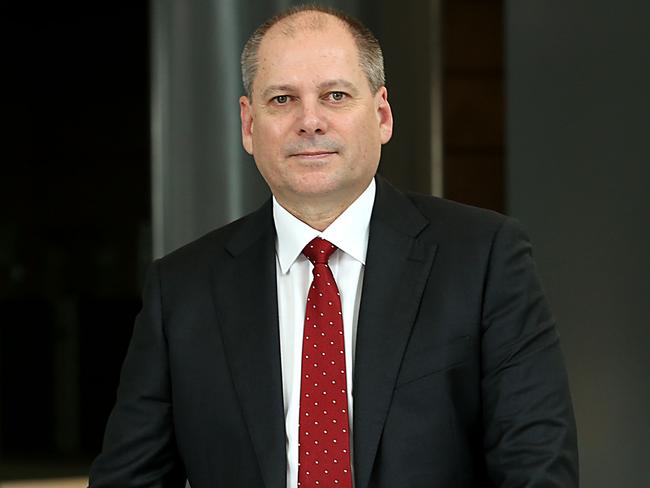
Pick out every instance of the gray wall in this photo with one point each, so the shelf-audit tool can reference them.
(578, 176)
(201, 177)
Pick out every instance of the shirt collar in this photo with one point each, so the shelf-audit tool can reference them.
(349, 232)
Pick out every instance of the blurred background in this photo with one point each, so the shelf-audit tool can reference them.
(121, 143)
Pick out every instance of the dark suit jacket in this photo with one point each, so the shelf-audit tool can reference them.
(458, 379)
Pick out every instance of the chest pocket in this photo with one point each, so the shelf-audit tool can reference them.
(426, 362)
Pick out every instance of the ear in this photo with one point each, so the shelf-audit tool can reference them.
(385, 115)
(246, 115)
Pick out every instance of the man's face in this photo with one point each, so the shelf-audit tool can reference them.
(312, 124)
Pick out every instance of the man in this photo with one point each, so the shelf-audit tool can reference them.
(345, 334)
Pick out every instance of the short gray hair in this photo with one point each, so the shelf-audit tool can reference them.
(371, 58)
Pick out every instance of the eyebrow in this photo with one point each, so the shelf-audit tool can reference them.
(277, 88)
(338, 82)
(321, 86)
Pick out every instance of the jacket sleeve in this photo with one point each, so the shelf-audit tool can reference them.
(529, 429)
(139, 447)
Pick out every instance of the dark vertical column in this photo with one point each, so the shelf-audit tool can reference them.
(474, 108)
(578, 177)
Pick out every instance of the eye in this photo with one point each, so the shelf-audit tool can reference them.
(337, 96)
(281, 99)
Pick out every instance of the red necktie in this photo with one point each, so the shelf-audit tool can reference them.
(324, 435)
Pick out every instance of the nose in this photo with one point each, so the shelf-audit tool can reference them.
(312, 119)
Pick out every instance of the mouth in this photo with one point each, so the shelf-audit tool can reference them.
(313, 154)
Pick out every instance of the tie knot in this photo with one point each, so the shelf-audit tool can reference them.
(318, 251)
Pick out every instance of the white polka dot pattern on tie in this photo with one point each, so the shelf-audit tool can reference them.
(324, 442)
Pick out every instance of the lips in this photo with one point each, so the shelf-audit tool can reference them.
(312, 149)
(313, 154)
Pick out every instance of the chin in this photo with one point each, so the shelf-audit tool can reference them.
(324, 181)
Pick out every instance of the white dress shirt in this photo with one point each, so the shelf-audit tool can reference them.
(349, 233)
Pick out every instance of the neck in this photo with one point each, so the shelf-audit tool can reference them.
(319, 211)
(317, 215)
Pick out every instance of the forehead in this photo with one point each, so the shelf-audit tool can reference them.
(307, 43)
(306, 22)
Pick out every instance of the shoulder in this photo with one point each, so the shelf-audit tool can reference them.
(221, 243)
(453, 212)
(464, 229)
(457, 218)
(438, 218)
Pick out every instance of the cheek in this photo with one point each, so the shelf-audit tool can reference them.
(267, 138)
(366, 139)
(268, 155)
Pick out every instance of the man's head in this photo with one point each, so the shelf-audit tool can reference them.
(313, 119)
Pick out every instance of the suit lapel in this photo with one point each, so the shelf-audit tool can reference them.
(245, 292)
(397, 267)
